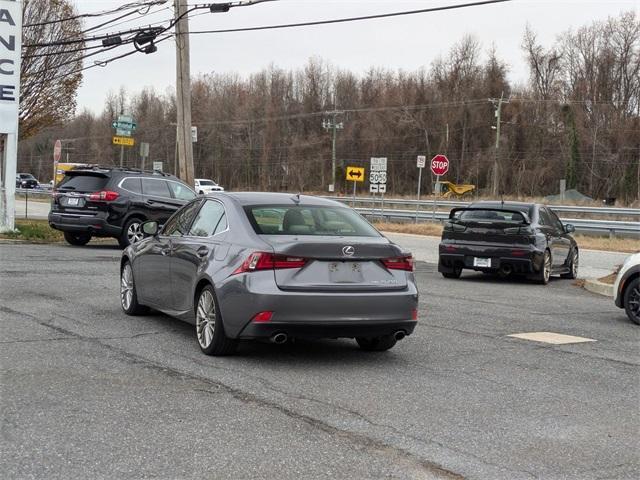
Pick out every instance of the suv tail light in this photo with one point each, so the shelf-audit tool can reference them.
(268, 261)
(400, 263)
(104, 196)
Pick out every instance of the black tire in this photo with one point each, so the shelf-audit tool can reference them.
(574, 261)
(128, 293)
(77, 239)
(631, 300)
(212, 341)
(542, 277)
(200, 192)
(376, 344)
(457, 271)
(131, 232)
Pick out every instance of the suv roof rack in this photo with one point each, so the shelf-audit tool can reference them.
(123, 169)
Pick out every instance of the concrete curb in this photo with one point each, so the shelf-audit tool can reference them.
(598, 287)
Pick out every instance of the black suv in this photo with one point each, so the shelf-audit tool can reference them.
(114, 202)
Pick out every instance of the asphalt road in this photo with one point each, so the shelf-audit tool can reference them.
(88, 392)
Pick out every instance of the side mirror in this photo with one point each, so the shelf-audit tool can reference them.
(569, 228)
(150, 229)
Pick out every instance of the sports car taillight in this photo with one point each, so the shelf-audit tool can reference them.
(400, 263)
(268, 261)
(104, 196)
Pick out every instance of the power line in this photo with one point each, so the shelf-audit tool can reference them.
(351, 19)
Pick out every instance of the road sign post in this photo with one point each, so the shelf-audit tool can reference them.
(378, 180)
(439, 167)
(355, 175)
(421, 162)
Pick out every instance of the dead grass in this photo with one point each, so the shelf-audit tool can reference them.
(430, 229)
(625, 245)
(609, 279)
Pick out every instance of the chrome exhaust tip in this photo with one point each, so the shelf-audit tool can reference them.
(280, 338)
(399, 335)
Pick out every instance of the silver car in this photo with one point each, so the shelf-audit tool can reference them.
(272, 266)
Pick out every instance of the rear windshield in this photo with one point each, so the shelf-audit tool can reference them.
(83, 183)
(208, 183)
(491, 216)
(309, 220)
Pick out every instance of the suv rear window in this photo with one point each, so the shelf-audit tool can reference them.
(83, 183)
(311, 220)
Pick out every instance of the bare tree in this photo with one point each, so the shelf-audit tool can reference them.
(50, 74)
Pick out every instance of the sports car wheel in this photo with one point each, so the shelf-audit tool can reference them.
(574, 259)
(545, 272)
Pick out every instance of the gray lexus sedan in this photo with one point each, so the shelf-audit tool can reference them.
(272, 266)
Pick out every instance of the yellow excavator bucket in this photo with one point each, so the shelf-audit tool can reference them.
(458, 190)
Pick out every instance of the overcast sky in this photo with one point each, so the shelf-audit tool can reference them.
(407, 42)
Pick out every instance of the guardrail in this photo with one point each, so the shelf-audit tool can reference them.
(428, 204)
(375, 209)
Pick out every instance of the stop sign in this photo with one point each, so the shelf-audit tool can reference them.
(57, 151)
(439, 165)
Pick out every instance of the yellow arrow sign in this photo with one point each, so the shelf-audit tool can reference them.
(124, 141)
(355, 174)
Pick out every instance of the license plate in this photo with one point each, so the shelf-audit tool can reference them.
(482, 262)
(72, 201)
(345, 272)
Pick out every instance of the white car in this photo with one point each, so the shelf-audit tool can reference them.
(204, 186)
(626, 290)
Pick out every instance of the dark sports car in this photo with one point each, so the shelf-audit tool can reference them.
(508, 238)
(272, 266)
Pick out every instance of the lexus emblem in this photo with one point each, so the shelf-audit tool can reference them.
(348, 251)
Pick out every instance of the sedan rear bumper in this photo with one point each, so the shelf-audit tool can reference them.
(514, 259)
(312, 313)
(327, 329)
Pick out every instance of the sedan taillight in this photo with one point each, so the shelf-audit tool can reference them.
(268, 261)
(399, 263)
(104, 196)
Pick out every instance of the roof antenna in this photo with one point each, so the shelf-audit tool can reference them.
(502, 199)
(296, 199)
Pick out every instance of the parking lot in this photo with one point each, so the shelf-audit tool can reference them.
(88, 392)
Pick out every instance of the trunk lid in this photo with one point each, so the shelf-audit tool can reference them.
(338, 263)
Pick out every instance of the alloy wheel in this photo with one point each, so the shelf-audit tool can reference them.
(134, 232)
(547, 267)
(126, 287)
(574, 263)
(634, 302)
(206, 319)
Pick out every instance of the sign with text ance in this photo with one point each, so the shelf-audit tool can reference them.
(10, 47)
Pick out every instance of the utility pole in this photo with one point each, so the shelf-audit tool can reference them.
(497, 103)
(183, 93)
(334, 125)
